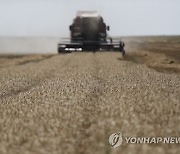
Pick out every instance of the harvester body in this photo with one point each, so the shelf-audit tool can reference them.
(89, 33)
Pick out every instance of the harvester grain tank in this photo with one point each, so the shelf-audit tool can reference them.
(89, 33)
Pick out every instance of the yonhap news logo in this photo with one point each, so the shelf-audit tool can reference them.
(116, 140)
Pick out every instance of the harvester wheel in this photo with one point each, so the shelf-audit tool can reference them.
(123, 52)
(121, 47)
(61, 50)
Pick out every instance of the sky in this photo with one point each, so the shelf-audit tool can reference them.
(53, 17)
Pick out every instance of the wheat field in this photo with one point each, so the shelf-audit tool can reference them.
(72, 103)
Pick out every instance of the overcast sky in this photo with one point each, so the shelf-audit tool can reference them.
(53, 17)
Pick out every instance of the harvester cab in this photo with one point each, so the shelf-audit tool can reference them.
(89, 33)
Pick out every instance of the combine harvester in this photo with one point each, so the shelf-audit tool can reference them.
(89, 33)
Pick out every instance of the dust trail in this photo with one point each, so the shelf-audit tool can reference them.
(28, 45)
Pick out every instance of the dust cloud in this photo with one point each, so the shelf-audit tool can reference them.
(26, 45)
